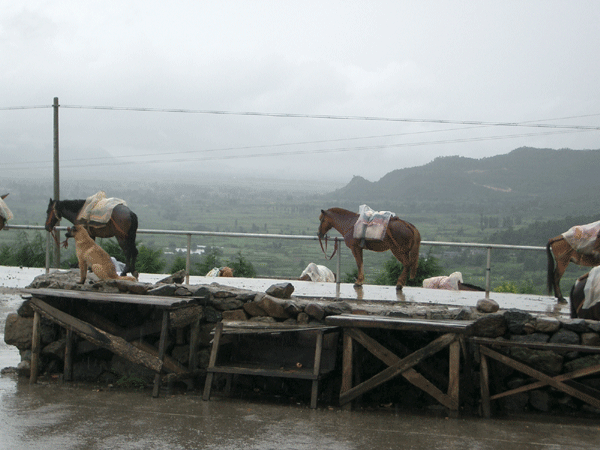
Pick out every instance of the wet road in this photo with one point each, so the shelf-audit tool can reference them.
(82, 416)
(64, 417)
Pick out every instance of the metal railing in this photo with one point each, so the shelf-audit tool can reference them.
(337, 241)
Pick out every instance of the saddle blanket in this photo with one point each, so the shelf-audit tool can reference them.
(443, 282)
(371, 225)
(98, 209)
(583, 237)
(4, 211)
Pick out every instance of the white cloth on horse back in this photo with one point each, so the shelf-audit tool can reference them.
(318, 273)
(4, 211)
(214, 272)
(97, 209)
(444, 282)
(583, 237)
(371, 225)
(591, 290)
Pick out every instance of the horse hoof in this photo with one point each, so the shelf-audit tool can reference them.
(357, 285)
(398, 288)
(562, 300)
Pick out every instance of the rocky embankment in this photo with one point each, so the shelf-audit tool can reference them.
(278, 305)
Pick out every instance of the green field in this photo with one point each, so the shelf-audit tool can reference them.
(277, 210)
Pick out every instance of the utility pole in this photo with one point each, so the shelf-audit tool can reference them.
(56, 182)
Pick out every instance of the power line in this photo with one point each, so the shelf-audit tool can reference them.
(534, 124)
(66, 165)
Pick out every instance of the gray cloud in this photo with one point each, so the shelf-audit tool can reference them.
(486, 62)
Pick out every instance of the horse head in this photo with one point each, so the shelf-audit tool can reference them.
(52, 216)
(325, 224)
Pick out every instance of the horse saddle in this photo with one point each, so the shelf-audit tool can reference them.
(97, 209)
(371, 225)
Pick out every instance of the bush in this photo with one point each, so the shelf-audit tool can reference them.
(26, 253)
(428, 267)
(242, 267)
(149, 260)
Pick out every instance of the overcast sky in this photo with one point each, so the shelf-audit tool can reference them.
(341, 88)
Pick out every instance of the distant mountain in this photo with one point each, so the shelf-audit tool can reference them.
(561, 181)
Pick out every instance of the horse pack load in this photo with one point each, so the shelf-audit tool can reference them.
(583, 238)
(97, 209)
(371, 225)
(5, 214)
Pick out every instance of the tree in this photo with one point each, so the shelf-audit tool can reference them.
(428, 267)
(178, 264)
(210, 260)
(149, 260)
(242, 267)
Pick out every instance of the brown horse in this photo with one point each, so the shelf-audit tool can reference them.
(577, 298)
(123, 225)
(401, 238)
(3, 219)
(565, 254)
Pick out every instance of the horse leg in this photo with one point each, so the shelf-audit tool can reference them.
(406, 266)
(556, 273)
(130, 253)
(357, 252)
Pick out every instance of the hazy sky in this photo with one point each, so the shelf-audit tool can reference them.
(343, 88)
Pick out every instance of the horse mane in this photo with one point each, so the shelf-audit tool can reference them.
(70, 205)
(341, 211)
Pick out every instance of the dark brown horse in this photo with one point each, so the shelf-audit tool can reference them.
(565, 254)
(123, 225)
(2, 218)
(401, 238)
(577, 298)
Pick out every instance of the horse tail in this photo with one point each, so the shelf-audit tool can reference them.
(414, 252)
(131, 236)
(550, 277)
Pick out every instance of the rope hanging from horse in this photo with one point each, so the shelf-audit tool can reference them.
(335, 247)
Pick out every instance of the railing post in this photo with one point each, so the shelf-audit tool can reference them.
(187, 259)
(56, 180)
(338, 275)
(488, 269)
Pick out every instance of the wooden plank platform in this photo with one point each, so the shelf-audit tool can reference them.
(156, 301)
(273, 357)
(100, 332)
(452, 334)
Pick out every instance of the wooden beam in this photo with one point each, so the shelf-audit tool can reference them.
(35, 348)
(540, 376)
(403, 365)
(389, 358)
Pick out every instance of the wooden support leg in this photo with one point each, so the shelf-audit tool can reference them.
(454, 377)
(212, 361)
(68, 367)
(161, 350)
(194, 342)
(35, 348)
(485, 387)
(316, 370)
(346, 367)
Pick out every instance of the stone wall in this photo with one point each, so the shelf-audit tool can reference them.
(277, 304)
